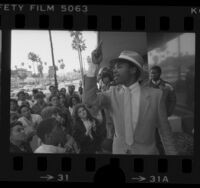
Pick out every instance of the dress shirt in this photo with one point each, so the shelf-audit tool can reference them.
(131, 110)
(49, 149)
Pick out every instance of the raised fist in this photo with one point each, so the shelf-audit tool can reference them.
(97, 55)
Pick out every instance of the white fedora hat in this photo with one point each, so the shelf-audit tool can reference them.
(132, 57)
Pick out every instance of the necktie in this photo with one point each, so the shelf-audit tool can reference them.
(127, 117)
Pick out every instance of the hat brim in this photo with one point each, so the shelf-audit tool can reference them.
(122, 60)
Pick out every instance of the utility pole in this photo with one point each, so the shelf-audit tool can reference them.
(52, 54)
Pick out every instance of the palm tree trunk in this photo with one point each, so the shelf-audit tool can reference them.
(81, 65)
(53, 61)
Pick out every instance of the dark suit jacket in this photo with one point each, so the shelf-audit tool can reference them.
(86, 144)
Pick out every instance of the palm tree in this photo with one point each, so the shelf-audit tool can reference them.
(78, 43)
(34, 58)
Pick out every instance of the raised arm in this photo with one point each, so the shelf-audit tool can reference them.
(90, 94)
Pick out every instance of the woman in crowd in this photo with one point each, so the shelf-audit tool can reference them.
(13, 106)
(64, 112)
(22, 98)
(86, 130)
(18, 139)
(74, 100)
(55, 112)
(30, 122)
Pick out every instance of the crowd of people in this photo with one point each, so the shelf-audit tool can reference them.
(55, 123)
(115, 113)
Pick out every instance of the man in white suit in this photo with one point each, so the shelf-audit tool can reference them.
(136, 110)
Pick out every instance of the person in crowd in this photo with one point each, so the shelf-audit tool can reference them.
(156, 82)
(80, 89)
(56, 113)
(52, 112)
(53, 91)
(13, 106)
(168, 90)
(22, 98)
(65, 111)
(86, 130)
(34, 92)
(28, 97)
(106, 79)
(18, 139)
(40, 103)
(71, 93)
(63, 100)
(74, 100)
(135, 110)
(71, 90)
(63, 91)
(30, 122)
(52, 137)
(14, 117)
(54, 100)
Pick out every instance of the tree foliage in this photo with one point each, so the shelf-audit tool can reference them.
(78, 42)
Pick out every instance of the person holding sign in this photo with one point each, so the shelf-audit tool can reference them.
(135, 109)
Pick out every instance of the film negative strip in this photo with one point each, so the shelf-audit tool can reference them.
(54, 56)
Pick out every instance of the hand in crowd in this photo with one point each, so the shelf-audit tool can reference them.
(29, 131)
(89, 132)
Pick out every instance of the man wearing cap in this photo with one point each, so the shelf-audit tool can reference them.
(135, 110)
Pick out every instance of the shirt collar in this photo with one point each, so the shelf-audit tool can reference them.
(156, 82)
(134, 86)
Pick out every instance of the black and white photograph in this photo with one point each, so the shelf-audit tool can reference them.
(97, 92)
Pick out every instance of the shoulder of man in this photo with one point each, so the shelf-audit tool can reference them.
(151, 91)
(167, 85)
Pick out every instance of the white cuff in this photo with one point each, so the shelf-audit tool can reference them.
(92, 71)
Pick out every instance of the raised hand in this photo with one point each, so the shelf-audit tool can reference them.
(97, 54)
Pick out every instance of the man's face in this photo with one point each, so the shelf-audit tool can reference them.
(55, 101)
(25, 112)
(17, 134)
(40, 100)
(122, 72)
(154, 74)
(22, 97)
(52, 90)
(71, 89)
(74, 101)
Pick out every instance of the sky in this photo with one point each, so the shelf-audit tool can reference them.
(37, 41)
